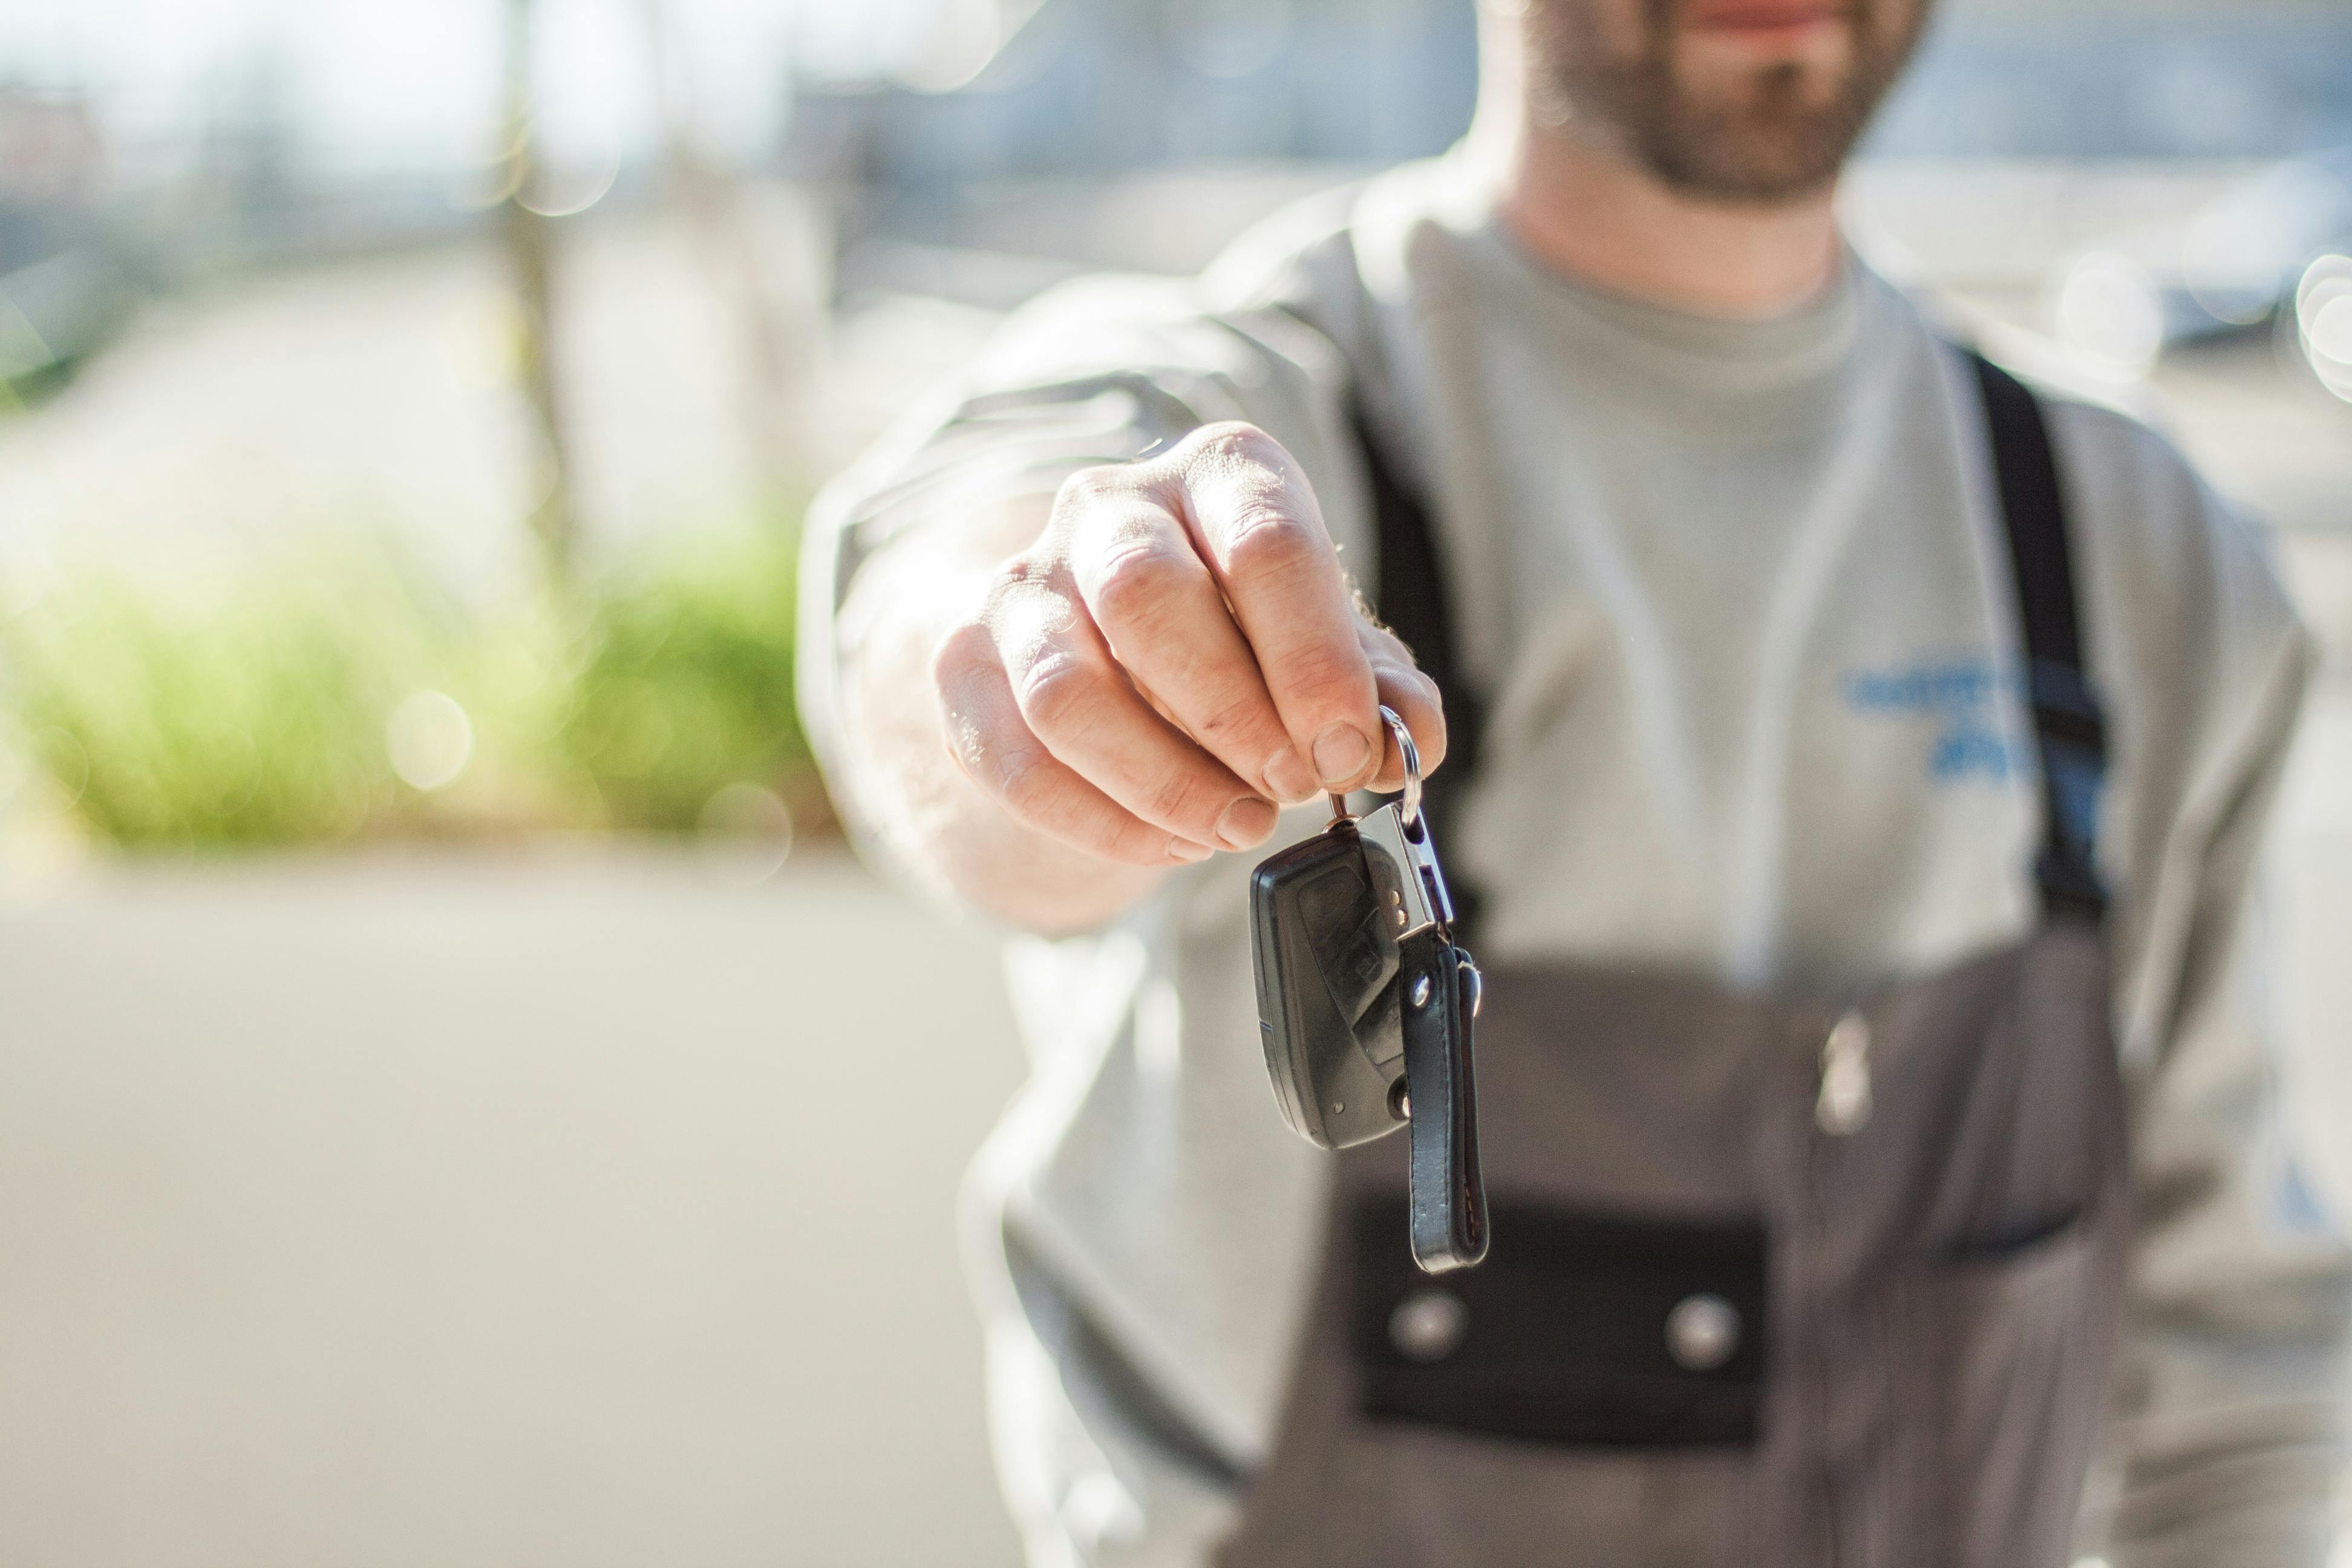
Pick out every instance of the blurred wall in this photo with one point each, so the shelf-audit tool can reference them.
(565, 1209)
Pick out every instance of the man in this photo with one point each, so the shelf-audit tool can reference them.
(1843, 770)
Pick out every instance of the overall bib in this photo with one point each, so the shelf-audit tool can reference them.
(1774, 1279)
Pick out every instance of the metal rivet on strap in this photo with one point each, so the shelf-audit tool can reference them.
(1428, 1325)
(1702, 1332)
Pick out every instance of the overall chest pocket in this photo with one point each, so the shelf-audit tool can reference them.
(1583, 1329)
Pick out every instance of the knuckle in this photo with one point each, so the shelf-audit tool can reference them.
(1079, 484)
(1180, 801)
(1238, 714)
(1236, 441)
(1018, 574)
(1030, 788)
(1268, 543)
(962, 652)
(1140, 583)
(1086, 487)
(1326, 675)
(1061, 699)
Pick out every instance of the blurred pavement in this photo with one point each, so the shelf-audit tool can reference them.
(571, 1208)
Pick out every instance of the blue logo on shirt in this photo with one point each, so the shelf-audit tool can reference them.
(1965, 696)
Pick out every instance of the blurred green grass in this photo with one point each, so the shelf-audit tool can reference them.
(681, 683)
(256, 708)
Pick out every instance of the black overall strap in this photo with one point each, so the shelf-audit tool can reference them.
(1412, 602)
(2069, 730)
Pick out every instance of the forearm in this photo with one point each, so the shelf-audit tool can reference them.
(896, 758)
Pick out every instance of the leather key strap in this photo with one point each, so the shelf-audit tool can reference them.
(1448, 1202)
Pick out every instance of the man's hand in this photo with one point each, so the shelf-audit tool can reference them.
(1178, 651)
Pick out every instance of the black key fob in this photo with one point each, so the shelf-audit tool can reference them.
(1326, 964)
(1366, 1002)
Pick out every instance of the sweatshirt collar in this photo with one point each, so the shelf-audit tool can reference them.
(1773, 368)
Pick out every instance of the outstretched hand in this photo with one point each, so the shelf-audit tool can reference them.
(1177, 653)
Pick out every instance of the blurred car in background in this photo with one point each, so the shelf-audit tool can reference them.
(2267, 246)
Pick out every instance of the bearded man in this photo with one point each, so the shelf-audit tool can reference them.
(1858, 760)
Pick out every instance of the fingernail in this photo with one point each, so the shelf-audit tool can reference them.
(1245, 823)
(1185, 849)
(1287, 779)
(1340, 754)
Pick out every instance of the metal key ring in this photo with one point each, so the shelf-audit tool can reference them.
(1409, 812)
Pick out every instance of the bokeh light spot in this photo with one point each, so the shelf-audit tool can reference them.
(2108, 309)
(430, 739)
(2322, 318)
(746, 834)
(2331, 330)
(563, 186)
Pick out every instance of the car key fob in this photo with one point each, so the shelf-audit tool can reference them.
(1366, 1002)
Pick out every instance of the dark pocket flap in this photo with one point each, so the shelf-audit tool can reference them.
(1579, 1328)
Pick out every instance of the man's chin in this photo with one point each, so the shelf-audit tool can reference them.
(1763, 156)
(1737, 100)
(1743, 73)
(1757, 130)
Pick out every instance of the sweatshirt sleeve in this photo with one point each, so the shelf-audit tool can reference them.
(2224, 1442)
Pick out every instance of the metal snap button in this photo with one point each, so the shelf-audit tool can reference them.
(1702, 1332)
(1842, 1105)
(1429, 1325)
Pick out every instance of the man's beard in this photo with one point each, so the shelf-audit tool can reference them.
(1782, 132)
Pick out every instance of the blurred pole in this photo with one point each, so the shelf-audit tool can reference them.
(769, 298)
(526, 236)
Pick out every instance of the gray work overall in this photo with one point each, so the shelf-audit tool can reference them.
(1774, 1279)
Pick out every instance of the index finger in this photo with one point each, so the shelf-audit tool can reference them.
(1256, 522)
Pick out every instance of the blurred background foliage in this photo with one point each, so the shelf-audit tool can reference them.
(252, 713)
(337, 694)
(679, 684)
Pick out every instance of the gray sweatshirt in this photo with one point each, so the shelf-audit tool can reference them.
(1735, 596)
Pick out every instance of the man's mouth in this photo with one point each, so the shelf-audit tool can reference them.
(1765, 23)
